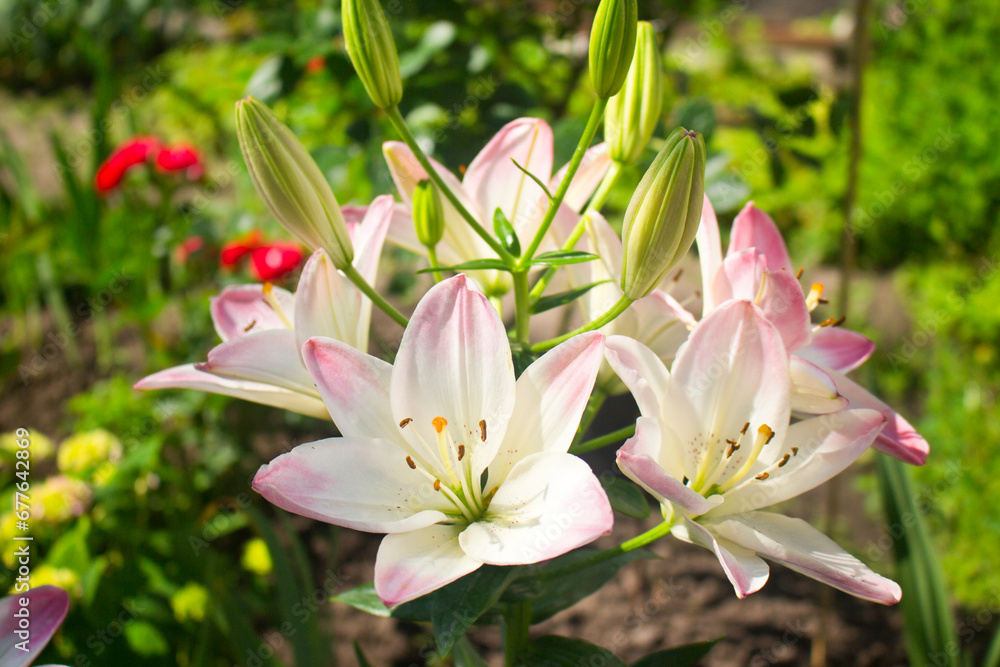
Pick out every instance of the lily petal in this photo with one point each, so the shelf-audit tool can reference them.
(813, 391)
(800, 547)
(47, 605)
(536, 515)
(240, 310)
(411, 564)
(642, 372)
(709, 253)
(454, 362)
(746, 571)
(594, 166)
(837, 348)
(190, 377)
(360, 483)
(329, 305)
(753, 228)
(370, 234)
(270, 357)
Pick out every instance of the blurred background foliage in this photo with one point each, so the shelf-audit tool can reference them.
(96, 280)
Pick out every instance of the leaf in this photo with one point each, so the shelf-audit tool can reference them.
(561, 257)
(359, 654)
(553, 651)
(534, 178)
(680, 656)
(145, 639)
(551, 588)
(464, 654)
(505, 233)
(365, 599)
(625, 496)
(474, 265)
(555, 300)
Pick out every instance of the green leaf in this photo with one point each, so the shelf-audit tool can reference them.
(365, 599)
(625, 496)
(551, 588)
(464, 654)
(562, 298)
(681, 656)
(474, 265)
(505, 233)
(553, 651)
(359, 654)
(534, 178)
(561, 257)
(145, 639)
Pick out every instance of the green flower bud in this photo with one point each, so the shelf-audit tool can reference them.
(428, 214)
(290, 183)
(632, 114)
(664, 213)
(372, 51)
(612, 43)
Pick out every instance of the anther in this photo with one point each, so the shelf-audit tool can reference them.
(770, 436)
(784, 460)
(410, 463)
(685, 480)
(795, 451)
(461, 452)
(828, 322)
(763, 475)
(733, 446)
(677, 276)
(798, 274)
(439, 423)
(437, 485)
(482, 429)
(840, 320)
(249, 326)
(406, 421)
(744, 429)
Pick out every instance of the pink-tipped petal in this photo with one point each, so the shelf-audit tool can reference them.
(595, 164)
(45, 608)
(551, 396)
(354, 386)
(454, 362)
(241, 310)
(494, 181)
(642, 372)
(190, 377)
(412, 564)
(709, 254)
(269, 357)
(746, 571)
(360, 483)
(370, 235)
(655, 466)
(898, 438)
(838, 349)
(800, 547)
(536, 515)
(753, 228)
(329, 305)
(813, 390)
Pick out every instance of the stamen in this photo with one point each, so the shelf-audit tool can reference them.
(812, 299)
(744, 429)
(461, 452)
(409, 462)
(249, 326)
(760, 290)
(784, 460)
(406, 421)
(840, 320)
(795, 451)
(677, 276)
(763, 475)
(798, 274)
(270, 300)
(764, 435)
(828, 322)
(770, 434)
(482, 429)
(733, 446)
(439, 423)
(437, 485)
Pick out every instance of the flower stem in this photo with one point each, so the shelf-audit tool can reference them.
(611, 314)
(596, 114)
(651, 535)
(595, 205)
(521, 303)
(433, 259)
(593, 407)
(376, 298)
(397, 122)
(516, 623)
(604, 440)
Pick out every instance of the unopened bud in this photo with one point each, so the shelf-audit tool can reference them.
(372, 51)
(612, 43)
(663, 216)
(290, 183)
(428, 214)
(633, 113)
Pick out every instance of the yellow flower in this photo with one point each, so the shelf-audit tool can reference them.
(60, 498)
(189, 603)
(68, 580)
(82, 452)
(256, 558)
(39, 445)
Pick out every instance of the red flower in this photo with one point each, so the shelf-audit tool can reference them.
(188, 247)
(134, 151)
(275, 261)
(315, 64)
(180, 157)
(235, 250)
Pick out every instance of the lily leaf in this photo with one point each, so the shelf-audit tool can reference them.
(474, 265)
(625, 496)
(555, 300)
(561, 257)
(554, 651)
(505, 233)
(534, 178)
(680, 656)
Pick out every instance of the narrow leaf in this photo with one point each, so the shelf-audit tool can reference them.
(474, 265)
(625, 496)
(554, 651)
(505, 233)
(681, 656)
(359, 654)
(534, 178)
(562, 298)
(561, 257)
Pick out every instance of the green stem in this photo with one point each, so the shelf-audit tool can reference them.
(397, 121)
(596, 114)
(376, 298)
(612, 313)
(593, 407)
(521, 303)
(516, 623)
(595, 205)
(433, 259)
(604, 440)
(651, 535)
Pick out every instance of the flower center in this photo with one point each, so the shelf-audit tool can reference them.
(272, 302)
(730, 469)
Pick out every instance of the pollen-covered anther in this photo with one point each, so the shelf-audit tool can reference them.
(763, 475)
(766, 431)
(798, 274)
(437, 485)
(795, 451)
(409, 462)
(744, 429)
(813, 298)
(406, 421)
(482, 429)
(461, 452)
(840, 321)
(733, 446)
(439, 423)
(249, 326)
(828, 322)
(784, 460)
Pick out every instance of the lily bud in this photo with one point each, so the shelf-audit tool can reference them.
(663, 215)
(632, 114)
(290, 183)
(612, 44)
(372, 51)
(428, 214)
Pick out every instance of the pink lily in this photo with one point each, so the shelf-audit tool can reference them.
(46, 606)
(757, 267)
(715, 445)
(263, 327)
(493, 181)
(419, 434)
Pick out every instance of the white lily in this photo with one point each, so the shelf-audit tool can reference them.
(263, 327)
(420, 434)
(715, 445)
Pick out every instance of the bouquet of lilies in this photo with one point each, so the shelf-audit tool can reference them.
(463, 449)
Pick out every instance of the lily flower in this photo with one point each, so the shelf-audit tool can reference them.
(263, 327)
(493, 181)
(715, 446)
(444, 451)
(757, 266)
(47, 606)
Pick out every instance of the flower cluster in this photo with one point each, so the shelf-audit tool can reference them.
(143, 150)
(270, 261)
